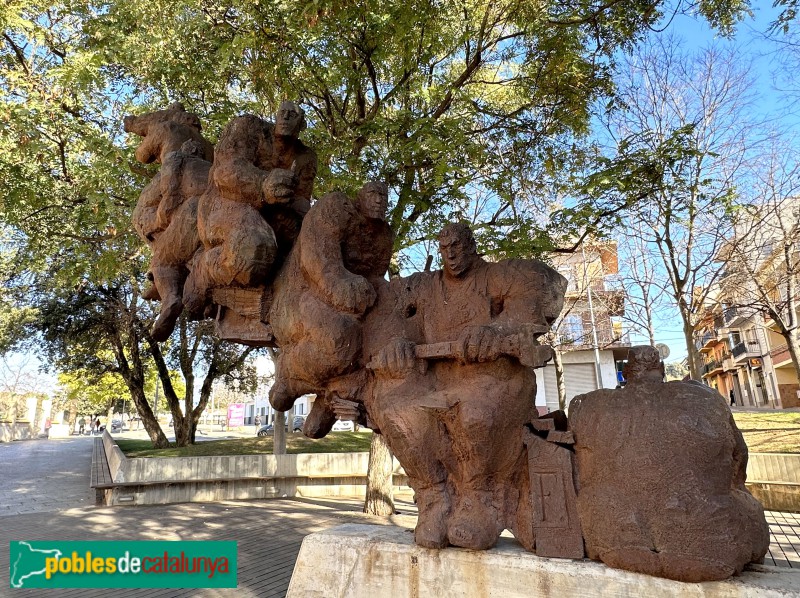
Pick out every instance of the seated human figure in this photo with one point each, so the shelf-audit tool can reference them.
(259, 191)
(328, 283)
(661, 471)
(455, 419)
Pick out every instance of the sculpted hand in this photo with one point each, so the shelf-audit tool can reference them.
(279, 186)
(355, 295)
(347, 410)
(479, 345)
(397, 358)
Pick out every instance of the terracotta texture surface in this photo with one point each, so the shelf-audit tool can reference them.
(258, 191)
(661, 471)
(650, 477)
(166, 213)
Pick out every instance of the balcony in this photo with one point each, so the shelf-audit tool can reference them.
(712, 368)
(745, 350)
(583, 340)
(706, 342)
(727, 363)
(730, 314)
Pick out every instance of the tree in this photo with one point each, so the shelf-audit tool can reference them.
(19, 382)
(643, 281)
(762, 259)
(690, 111)
(675, 370)
(105, 329)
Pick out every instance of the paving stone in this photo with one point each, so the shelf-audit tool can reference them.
(268, 532)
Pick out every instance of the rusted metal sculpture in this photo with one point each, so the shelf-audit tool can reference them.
(649, 477)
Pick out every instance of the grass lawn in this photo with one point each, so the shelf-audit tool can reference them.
(770, 431)
(764, 432)
(335, 442)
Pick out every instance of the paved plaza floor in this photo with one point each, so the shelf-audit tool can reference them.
(45, 496)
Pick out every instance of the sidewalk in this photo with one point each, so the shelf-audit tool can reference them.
(268, 532)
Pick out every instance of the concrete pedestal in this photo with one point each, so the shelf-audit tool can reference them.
(370, 561)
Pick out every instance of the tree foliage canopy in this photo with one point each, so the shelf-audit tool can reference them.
(476, 110)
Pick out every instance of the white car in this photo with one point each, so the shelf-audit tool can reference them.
(343, 426)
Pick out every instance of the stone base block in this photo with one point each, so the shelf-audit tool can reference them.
(365, 561)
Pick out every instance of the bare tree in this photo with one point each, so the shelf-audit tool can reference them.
(763, 259)
(689, 110)
(643, 281)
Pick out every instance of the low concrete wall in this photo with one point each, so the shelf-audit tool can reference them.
(363, 561)
(17, 431)
(774, 479)
(202, 479)
(774, 467)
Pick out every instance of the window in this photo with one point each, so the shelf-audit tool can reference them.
(572, 328)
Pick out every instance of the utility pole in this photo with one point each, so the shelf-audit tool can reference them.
(595, 344)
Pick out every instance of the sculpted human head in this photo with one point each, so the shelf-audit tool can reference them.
(290, 120)
(457, 248)
(372, 200)
(644, 364)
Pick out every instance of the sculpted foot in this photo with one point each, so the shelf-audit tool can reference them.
(474, 523)
(434, 508)
(165, 323)
(279, 396)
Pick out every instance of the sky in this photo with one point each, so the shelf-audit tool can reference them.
(750, 38)
(774, 106)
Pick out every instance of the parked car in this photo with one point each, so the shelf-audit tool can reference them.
(343, 426)
(117, 425)
(269, 429)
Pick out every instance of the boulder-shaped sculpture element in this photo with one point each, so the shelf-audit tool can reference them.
(661, 472)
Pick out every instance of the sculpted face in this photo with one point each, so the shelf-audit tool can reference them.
(458, 254)
(373, 201)
(289, 120)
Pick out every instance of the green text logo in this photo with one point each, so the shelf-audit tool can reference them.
(122, 564)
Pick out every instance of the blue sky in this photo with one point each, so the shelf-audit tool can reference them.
(773, 105)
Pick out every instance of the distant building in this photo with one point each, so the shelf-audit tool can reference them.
(592, 307)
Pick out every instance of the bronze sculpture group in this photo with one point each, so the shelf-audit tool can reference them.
(441, 363)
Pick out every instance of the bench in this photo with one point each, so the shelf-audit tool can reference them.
(101, 474)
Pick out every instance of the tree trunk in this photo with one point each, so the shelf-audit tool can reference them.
(279, 434)
(379, 478)
(73, 415)
(149, 421)
(183, 430)
(794, 350)
(692, 355)
(558, 365)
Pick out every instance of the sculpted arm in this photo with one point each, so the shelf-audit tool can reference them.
(306, 171)
(321, 257)
(235, 173)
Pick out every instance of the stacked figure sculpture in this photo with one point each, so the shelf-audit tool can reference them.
(649, 477)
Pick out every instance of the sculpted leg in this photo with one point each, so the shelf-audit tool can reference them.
(414, 434)
(327, 346)
(488, 442)
(169, 281)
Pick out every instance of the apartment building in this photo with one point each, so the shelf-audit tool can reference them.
(588, 335)
(740, 333)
